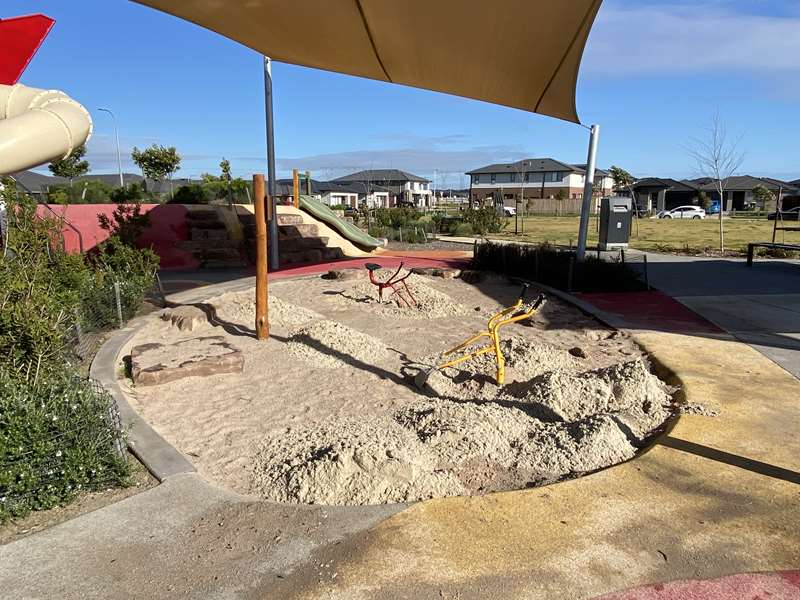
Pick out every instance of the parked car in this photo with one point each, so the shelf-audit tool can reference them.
(713, 208)
(792, 214)
(509, 211)
(683, 212)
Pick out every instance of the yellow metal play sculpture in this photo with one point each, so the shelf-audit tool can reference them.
(501, 319)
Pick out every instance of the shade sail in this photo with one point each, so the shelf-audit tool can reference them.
(519, 53)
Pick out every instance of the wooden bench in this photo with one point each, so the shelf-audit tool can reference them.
(753, 245)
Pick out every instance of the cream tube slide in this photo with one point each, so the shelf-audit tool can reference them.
(38, 126)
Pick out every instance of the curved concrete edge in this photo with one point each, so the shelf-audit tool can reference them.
(153, 451)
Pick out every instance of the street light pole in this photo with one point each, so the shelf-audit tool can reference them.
(587, 192)
(119, 156)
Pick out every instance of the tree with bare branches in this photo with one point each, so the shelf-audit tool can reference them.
(718, 158)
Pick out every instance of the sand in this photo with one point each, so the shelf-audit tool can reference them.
(326, 411)
(430, 303)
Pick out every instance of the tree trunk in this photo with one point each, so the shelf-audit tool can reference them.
(721, 232)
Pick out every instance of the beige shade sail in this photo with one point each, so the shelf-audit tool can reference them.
(519, 53)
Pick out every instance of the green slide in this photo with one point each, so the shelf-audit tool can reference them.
(349, 231)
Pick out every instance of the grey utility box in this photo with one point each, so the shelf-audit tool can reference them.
(615, 222)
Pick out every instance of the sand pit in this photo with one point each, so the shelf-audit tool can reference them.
(326, 411)
(431, 303)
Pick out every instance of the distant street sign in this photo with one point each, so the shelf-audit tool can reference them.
(20, 38)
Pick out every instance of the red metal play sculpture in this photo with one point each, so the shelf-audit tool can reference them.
(402, 293)
(20, 38)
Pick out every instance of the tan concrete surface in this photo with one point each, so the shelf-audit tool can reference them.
(718, 495)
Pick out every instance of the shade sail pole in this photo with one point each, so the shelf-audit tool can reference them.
(587, 192)
(272, 215)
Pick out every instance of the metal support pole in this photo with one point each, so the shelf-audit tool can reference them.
(262, 290)
(118, 298)
(116, 134)
(587, 192)
(273, 223)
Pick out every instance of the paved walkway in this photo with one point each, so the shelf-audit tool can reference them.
(760, 305)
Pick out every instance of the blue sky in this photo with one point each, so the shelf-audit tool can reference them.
(653, 75)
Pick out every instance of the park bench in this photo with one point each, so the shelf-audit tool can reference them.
(753, 245)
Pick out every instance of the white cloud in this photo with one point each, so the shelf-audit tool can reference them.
(680, 39)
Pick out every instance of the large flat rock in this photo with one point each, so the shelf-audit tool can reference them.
(153, 364)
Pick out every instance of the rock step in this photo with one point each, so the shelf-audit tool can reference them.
(303, 256)
(294, 244)
(202, 244)
(290, 219)
(196, 234)
(299, 230)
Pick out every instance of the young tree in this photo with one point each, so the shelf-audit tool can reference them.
(717, 158)
(157, 162)
(225, 168)
(72, 166)
(622, 179)
(763, 196)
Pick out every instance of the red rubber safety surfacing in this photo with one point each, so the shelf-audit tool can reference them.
(20, 38)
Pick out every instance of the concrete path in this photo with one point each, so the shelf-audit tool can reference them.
(760, 305)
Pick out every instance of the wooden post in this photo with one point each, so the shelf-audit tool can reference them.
(308, 182)
(296, 187)
(262, 289)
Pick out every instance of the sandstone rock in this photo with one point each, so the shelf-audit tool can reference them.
(185, 318)
(345, 274)
(153, 364)
(443, 272)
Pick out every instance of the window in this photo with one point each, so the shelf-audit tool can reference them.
(493, 178)
(527, 177)
(555, 176)
(512, 177)
(476, 179)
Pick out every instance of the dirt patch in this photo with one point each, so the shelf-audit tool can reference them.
(331, 344)
(430, 303)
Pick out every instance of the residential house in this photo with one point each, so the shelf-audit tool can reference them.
(657, 194)
(534, 178)
(400, 185)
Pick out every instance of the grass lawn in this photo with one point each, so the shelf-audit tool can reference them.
(692, 235)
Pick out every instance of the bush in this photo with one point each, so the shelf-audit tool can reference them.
(549, 265)
(59, 435)
(192, 194)
(396, 217)
(484, 220)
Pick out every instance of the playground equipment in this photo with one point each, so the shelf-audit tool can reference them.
(498, 320)
(402, 293)
(36, 125)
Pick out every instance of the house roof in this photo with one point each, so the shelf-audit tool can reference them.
(534, 165)
(667, 183)
(740, 183)
(284, 187)
(381, 175)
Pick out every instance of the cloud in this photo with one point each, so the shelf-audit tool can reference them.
(681, 39)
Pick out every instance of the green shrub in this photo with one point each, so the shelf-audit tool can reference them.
(462, 230)
(58, 435)
(484, 220)
(396, 217)
(558, 268)
(192, 194)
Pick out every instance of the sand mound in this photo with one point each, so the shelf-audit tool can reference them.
(433, 449)
(350, 462)
(564, 396)
(240, 308)
(475, 379)
(330, 343)
(432, 303)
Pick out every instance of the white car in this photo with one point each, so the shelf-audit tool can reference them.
(509, 211)
(683, 212)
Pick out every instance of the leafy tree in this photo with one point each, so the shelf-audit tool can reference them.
(704, 200)
(72, 166)
(764, 197)
(225, 167)
(622, 179)
(157, 162)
